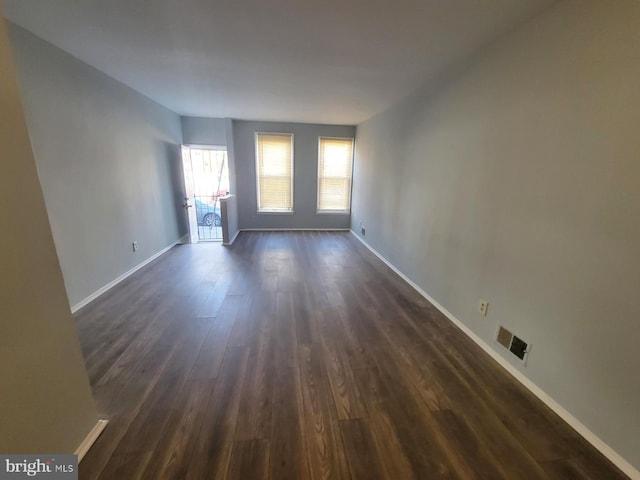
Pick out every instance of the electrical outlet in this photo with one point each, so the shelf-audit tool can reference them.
(483, 306)
(363, 231)
(134, 245)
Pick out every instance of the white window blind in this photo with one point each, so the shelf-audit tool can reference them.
(335, 157)
(274, 170)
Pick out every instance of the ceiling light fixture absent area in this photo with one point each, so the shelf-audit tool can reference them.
(266, 61)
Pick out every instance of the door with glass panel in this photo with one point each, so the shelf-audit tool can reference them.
(206, 175)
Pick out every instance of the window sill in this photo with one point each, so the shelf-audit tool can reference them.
(333, 212)
(274, 212)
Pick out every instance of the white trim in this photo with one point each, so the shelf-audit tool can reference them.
(578, 426)
(201, 146)
(256, 135)
(90, 439)
(275, 212)
(113, 283)
(333, 212)
(294, 230)
(232, 240)
(319, 211)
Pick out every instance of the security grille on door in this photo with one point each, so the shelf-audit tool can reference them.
(209, 175)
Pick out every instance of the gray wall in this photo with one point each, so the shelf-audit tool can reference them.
(305, 172)
(45, 398)
(204, 131)
(108, 161)
(518, 183)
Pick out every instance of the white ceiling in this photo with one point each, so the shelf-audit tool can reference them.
(323, 61)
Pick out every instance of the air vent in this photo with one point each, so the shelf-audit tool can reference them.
(514, 344)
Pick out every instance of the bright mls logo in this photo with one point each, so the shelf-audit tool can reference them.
(54, 467)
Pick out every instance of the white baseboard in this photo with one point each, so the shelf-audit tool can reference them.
(294, 230)
(113, 283)
(226, 244)
(90, 439)
(563, 413)
(285, 230)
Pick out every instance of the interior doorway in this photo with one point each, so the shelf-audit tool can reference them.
(206, 178)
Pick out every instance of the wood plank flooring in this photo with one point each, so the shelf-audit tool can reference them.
(302, 356)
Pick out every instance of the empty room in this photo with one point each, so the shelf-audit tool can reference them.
(320, 240)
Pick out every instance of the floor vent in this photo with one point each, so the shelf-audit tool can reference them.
(514, 344)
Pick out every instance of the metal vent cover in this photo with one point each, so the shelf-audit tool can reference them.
(513, 343)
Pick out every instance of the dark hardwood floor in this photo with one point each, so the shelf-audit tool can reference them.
(301, 355)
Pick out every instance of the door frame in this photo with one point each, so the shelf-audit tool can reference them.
(189, 187)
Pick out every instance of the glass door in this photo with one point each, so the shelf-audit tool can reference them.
(209, 180)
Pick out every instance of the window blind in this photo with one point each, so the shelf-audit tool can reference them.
(335, 157)
(274, 170)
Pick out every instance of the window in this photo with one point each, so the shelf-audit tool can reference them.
(274, 172)
(335, 157)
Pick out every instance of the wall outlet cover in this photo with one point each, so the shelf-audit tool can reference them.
(483, 307)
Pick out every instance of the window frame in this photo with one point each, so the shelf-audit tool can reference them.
(257, 166)
(353, 150)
